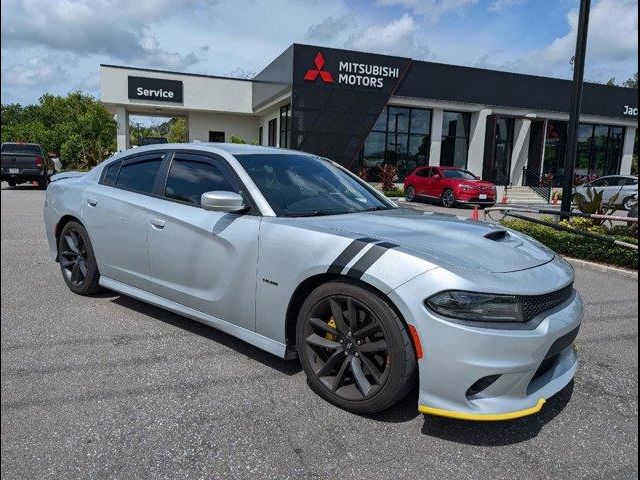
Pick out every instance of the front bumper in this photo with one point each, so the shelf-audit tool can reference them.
(530, 365)
(473, 197)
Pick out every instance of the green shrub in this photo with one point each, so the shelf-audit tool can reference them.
(394, 192)
(577, 246)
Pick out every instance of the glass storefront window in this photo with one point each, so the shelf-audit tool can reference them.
(599, 150)
(400, 137)
(285, 126)
(455, 139)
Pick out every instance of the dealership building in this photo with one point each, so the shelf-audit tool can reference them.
(364, 110)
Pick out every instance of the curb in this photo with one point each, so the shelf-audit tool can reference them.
(603, 268)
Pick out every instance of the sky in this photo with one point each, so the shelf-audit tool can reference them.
(57, 46)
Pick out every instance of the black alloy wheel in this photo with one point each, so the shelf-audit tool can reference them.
(448, 198)
(346, 342)
(77, 261)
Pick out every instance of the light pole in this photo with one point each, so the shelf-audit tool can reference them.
(576, 104)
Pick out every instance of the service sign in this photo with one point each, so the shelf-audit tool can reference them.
(155, 89)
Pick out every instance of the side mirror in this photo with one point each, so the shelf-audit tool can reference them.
(222, 202)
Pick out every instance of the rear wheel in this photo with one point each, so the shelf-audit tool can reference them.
(12, 183)
(627, 203)
(410, 194)
(354, 349)
(77, 260)
(43, 183)
(448, 198)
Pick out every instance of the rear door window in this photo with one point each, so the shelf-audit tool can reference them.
(139, 175)
(111, 174)
(190, 176)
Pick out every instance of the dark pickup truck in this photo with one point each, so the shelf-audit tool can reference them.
(25, 162)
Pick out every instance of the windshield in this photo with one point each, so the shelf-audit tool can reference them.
(464, 174)
(21, 148)
(303, 185)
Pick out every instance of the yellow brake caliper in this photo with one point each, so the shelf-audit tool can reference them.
(332, 324)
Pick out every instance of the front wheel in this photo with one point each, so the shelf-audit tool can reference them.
(354, 349)
(627, 203)
(77, 260)
(410, 194)
(448, 198)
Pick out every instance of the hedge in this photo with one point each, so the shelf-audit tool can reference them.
(577, 246)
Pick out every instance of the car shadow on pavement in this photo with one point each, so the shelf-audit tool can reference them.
(500, 433)
(287, 367)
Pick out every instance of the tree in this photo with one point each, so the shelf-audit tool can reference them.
(177, 130)
(77, 126)
(631, 82)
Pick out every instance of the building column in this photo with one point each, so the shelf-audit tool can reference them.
(520, 154)
(627, 151)
(122, 132)
(476, 141)
(436, 136)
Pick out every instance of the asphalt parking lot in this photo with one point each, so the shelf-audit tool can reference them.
(109, 387)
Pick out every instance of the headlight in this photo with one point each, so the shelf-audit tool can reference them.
(466, 188)
(483, 307)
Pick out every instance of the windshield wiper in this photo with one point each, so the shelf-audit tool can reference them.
(313, 213)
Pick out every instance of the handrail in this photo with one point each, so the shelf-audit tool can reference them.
(532, 180)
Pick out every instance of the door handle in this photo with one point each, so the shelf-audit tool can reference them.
(92, 202)
(157, 223)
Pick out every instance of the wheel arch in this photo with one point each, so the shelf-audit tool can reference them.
(303, 290)
(60, 226)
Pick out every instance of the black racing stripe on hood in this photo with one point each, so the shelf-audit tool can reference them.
(369, 258)
(349, 254)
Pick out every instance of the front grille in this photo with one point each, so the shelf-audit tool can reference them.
(534, 305)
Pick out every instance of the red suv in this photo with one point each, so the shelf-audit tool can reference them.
(450, 185)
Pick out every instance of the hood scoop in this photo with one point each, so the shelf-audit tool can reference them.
(497, 235)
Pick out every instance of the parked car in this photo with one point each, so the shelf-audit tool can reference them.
(25, 162)
(297, 256)
(450, 186)
(625, 186)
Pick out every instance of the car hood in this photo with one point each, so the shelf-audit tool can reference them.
(444, 240)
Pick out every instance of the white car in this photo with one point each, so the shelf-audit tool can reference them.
(625, 185)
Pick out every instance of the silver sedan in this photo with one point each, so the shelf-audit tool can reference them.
(295, 255)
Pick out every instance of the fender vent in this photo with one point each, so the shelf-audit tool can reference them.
(497, 235)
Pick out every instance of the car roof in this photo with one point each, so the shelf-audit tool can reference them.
(231, 148)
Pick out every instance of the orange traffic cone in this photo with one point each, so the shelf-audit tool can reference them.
(474, 215)
(504, 197)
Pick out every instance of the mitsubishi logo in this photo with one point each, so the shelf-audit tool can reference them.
(313, 73)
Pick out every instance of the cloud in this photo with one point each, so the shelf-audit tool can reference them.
(36, 70)
(118, 28)
(394, 38)
(612, 39)
(329, 29)
(431, 9)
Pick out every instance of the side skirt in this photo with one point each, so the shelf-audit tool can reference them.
(253, 338)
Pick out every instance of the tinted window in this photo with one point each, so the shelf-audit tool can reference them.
(303, 185)
(425, 172)
(111, 173)
(21, 148)
(139, 176)
(630, 181)
(464, 174)
(189, 179)
(601, 182)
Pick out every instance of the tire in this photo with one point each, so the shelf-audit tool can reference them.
(448, 198)
(626, 203)
(410, 194)
(377, 359)
(74, 251)
(43, 183)
(11, 183)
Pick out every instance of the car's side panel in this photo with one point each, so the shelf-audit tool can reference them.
(116, 222)
(204, 260)
(290, 253)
